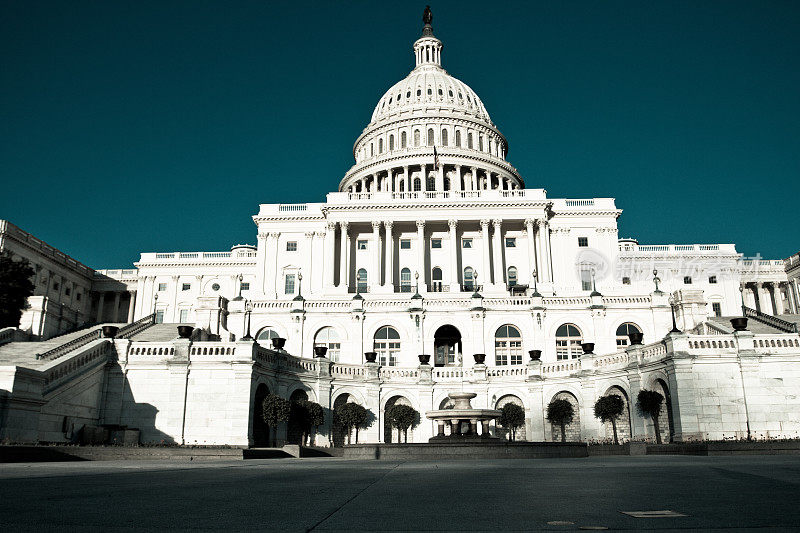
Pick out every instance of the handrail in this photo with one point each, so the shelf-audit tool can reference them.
(134, 328)
(74, 344)
(775, 322)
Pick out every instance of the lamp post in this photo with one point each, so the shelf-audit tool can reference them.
(656, 280)
(155, 303)
(248, 309)
(300, 284)
(741, 295)
(672, 312)
(417, 295)
(475, 294)
(535, 287)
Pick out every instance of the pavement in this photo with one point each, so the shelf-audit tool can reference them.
(330, 494)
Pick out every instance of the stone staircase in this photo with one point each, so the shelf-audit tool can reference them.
(158, 333)
(24, 353)
(755, 325)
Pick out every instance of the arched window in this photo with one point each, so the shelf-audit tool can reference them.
(507, 346)
(391, 142)
(371, 149)
(469, 141)
(402, 186)
(444, 137)
(387, 345)
(511, 276)
(622, 333)
(416, 137)
(436, 279)
(480, 143)
(405, 280)
(430, 136)
(430, 183)
(458, 138)
(417, 184)
(568, 342)
(403, 139)
(380, 146)
(266, 335)
(329, 337)
(469, 279)
(447, 184)
(361, 280)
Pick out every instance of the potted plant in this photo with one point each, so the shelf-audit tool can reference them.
(479, 358)
(278, 343)
(320, 351)
(636, 337)
(739, 323)
(424, 358)
(370, 356)
(110, 332)
(536, 355)
(185, 332)
(588, 347)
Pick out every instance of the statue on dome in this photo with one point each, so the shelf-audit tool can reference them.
(427, 16)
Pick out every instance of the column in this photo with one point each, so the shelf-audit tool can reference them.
(759, 296)
(330, 259)
(131, 305)
(100, 302)
(499, 274)
(388, 266)
(456, 183)
(531, 249)
(454, 284)
(375, 271)
(546, 252)
(485, 275)
(793, 296)
(344, 256)
(776, 292)
(117, 294)
(271, 270)
(440, 178)
(474, 179)
(421, 251)
(407, 179)
(138, 304)
(261, 258)
(308, 256)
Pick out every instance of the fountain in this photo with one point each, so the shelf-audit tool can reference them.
(462, 412)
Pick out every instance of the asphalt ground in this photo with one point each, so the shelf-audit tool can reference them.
(328, 494)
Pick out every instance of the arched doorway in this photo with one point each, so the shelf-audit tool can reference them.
(501, 431)
(260, 428)
(337, 431)
(573, 429)
(446, 346)
(294, 428)
(624, 420)
(387, 428)
(665, 421)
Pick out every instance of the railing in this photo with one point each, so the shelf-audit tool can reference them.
(41, 246)
(451, 373)
(385, 196)
(579, 203)
(212, 349)
(129, 330)
(562, 367)
(399, 374)
(603, 361)
(74, 344)
(7, 335)
(508, 371)
(59, 372)
(775, 322)
(292, 207)
(654, 350)
(197, 256)
(776, 343)
(712, 342)
(676, 248)
(152, 349)
(345, 371)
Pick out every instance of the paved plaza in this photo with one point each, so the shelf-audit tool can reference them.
(336, 494)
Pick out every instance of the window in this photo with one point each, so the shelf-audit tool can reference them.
(56, 285)
(215, 287)
(184, 316)
(159, 316)
(568, 342)
(712, 280)
(717, 308)
(511, 276)
(387, 345)
(507, 346)
(687, 280)
(288, 287)
(480, 143)
(266, 335)
(405, 280)
(417, 184)
(361, 280)
(405, 244)
(469, 279)
(436, 243)
(466, 243)
(623, 331)
(430, 183)
(329, 338)
(67, 291)
(186, 286)
(380, 146)
(245, 285)
(469, 141)
(78, 296)
(163, 286)
(583, 242)
(626, 281)
(447, 184)
(391, 142)
(586, 278)
(291, 246)
(361, 245)
(436, 279)
(403, 139)
(444, 137)
(511, 242)
(458, 138)
(416, 137)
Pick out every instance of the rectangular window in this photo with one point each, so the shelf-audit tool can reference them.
(361, 245)
(466, 243)
(405, 244)
(245, 285)
(687, 280)
(288, 287)
(717, 308)
(67, 291)
(712, 279)
(184, 318)
(586, 279)
(55, 286)
(583, 242)
(186, 286)
(436, 243)
(291, 246)
(78, 296)
(160, 316)
(511, 242)
(626, 281)
(162, 287)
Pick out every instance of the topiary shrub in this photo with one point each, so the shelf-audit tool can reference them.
(276, 409)
(512, 417)
(561, 412)
(351, 416)
(402, 417)
(648, 403)
(608, 409)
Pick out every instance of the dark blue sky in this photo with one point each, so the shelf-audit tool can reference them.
(144, 126)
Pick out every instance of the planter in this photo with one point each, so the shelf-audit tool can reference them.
(185, 332)
(635, 337)
(110, 332)
(588, 347)
(479, 358)
(424, 359)
(739, 323)
(370, 356)
(320, 351)
(536, 355)
(278, 343)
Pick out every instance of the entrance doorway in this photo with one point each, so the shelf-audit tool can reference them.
(446, 346)
(260, 428)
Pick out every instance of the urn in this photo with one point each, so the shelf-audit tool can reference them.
(185, 332)
(424, 358)
(110, 332)
(320, 351)
(635, 337)
(278, 343)
(739, 323)
(480, 358)
(535, 354)
(370, 356)
(588, 347)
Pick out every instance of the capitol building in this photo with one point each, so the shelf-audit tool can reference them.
(437, 258)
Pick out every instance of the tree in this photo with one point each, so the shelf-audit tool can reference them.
(316, 418)
(15, 287)
(276, 409)
(608, 409)
(561, 412)
(512, 417)
(648, 403)
(351, 416)
(307, 416)
(402, 417)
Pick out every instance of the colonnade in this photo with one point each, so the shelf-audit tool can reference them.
(459, 178)
(767, 297)
(116, 307)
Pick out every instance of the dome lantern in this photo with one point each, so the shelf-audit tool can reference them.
(428, 49)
